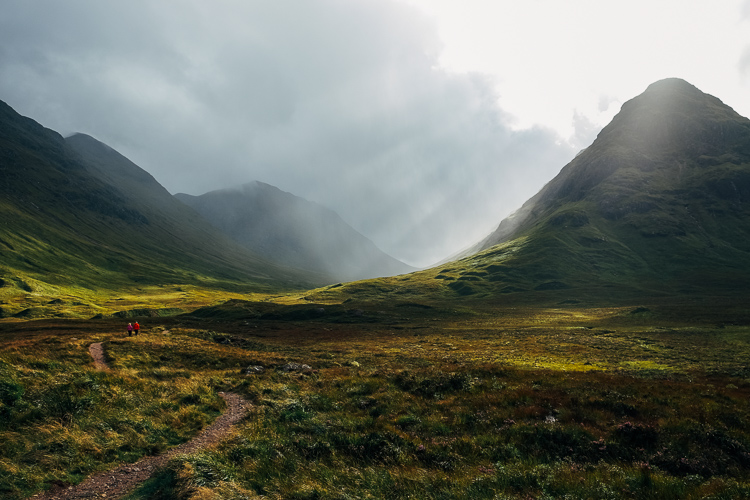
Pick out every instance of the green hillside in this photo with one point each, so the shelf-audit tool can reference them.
(78, 215)
(657, 203)
(656, 207)
(192, 241)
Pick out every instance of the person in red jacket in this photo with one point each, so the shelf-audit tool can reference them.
(136, 328)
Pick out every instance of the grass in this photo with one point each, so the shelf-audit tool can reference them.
(407, 401)
(28, 298)
(61, 420)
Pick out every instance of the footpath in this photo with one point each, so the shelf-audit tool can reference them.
(125, 478)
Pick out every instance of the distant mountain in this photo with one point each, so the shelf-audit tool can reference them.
(77, 213)
(293, 231)
(659, 203)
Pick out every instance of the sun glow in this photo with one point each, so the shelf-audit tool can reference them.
(571, 65)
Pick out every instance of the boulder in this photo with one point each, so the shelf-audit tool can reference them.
(296, 367)
(254, 370)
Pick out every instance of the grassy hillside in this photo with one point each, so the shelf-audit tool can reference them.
(78, 217)
(655, 208)
(656, 202)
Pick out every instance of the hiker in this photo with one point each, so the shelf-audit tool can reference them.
(137, 328)
(130, 329)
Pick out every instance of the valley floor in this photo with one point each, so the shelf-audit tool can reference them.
(395, 402)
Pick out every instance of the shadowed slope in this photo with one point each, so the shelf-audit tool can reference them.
(78, 213)
(295, 232)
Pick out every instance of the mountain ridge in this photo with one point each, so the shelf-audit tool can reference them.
(293, 231)
(67, 221)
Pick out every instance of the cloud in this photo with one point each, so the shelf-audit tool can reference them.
(341, 102)
(744, 64)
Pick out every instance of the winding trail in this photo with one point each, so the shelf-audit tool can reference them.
(120, 481)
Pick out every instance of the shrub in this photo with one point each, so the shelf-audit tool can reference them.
(435, 386)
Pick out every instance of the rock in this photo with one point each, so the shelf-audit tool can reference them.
(254, 370)
(296, 367)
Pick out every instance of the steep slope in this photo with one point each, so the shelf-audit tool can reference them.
(658, 202)
(657, 207)
(78, 213)
(295, 232)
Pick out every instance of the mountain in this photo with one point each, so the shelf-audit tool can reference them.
(293, 231)
(658, 207)
(77, 213)
(659, 203)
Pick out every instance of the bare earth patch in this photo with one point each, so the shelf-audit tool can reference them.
(118, 482)
(97, 352)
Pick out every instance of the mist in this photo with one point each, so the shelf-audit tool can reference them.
(340, 102)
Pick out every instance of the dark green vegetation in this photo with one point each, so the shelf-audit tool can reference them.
(290, 230)
(524, 402)
(78, 217)
(656, 206)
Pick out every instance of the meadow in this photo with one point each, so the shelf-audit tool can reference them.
(407, 400)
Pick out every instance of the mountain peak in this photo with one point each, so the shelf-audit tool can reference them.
(660, 195)
(671, 116)
(670, 85)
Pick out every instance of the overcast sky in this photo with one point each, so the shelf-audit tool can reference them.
(423, 123)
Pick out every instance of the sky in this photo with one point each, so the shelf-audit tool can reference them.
(423, 123)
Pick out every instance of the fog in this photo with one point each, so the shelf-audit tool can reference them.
(340, 102)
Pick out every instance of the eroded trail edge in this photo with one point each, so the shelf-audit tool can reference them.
(125, 478)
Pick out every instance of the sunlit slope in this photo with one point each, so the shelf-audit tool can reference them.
(657, 206)
(79, 214)
(292, 231)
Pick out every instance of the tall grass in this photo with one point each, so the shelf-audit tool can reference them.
(473, 432)
(61, 420)
(484, 407)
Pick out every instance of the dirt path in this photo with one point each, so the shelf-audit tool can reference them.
(97, 352)
(116, 483)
